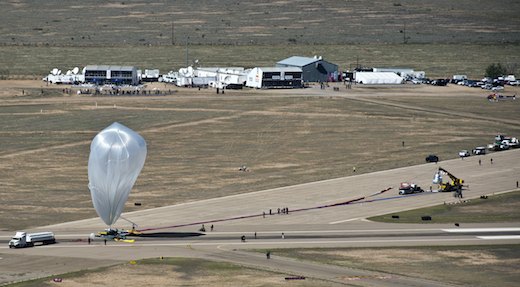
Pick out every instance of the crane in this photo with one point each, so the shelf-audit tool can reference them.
(455, 184)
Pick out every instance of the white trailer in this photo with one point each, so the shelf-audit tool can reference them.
(22, 239)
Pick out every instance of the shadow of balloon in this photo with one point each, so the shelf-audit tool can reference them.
(168, 234)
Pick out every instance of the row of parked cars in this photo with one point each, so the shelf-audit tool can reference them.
(500, 143)
(488, 83)
(480, 150)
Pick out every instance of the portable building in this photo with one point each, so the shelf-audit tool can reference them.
(149, 75)
(314, 69)
(104, 74)
(275, 77)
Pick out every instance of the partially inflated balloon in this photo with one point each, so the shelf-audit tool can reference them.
(117, 155)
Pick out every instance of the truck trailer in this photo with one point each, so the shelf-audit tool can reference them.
(22, 239)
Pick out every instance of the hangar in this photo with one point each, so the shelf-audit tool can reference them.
(275, 77)
(313, 69)
(104, 74)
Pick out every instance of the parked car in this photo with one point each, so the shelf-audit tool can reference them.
(487, 86)
(432, 158)
(472, 83)
(464, 153)
(439, 82)
(480, 150)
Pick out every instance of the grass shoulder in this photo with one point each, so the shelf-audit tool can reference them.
(496, 208)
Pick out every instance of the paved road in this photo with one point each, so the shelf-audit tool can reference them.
(316, 225)
(226, 246)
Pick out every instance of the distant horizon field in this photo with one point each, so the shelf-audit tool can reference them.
(437, 60)
(261, 22)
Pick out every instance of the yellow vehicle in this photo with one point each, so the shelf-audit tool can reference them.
(455, 184)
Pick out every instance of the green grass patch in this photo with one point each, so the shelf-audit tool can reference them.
(497, 208)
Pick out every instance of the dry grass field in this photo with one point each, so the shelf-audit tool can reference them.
(197, 140)
(176, 272)
(438, 60)
(442, 37)
(491, 265)
(459, 265)
(230, 22)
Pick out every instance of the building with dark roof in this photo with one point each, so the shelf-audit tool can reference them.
(313, 69)
(104, 74)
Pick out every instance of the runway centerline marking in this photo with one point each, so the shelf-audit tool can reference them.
(346, 220)
(496, 229)
(499, 237)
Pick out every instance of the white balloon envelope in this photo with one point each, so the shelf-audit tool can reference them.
(117, 155)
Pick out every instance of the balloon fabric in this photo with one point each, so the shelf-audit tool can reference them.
(117, 155)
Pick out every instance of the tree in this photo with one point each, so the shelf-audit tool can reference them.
(495, 70)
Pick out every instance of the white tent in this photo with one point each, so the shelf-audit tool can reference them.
(371, 78)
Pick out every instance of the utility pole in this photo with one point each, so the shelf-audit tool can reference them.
(404, 33)
(405, 39)
(187, 51)
(173, 39)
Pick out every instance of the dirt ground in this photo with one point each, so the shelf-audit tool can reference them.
(197, 140)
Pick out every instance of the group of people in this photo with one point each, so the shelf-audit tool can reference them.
(203, 228)
(284, 210)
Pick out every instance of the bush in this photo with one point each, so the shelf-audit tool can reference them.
(495, 70)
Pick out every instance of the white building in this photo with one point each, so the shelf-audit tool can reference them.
(275, 77)
(215, 77)
(377, 78)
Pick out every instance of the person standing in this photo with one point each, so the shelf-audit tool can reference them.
(283, 235)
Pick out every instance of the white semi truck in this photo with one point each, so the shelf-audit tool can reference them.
(22, 239)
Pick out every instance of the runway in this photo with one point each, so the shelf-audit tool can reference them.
(321, 214)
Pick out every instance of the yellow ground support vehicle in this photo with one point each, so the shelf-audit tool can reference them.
(455, 184)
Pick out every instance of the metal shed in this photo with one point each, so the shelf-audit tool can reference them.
(313, 69)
